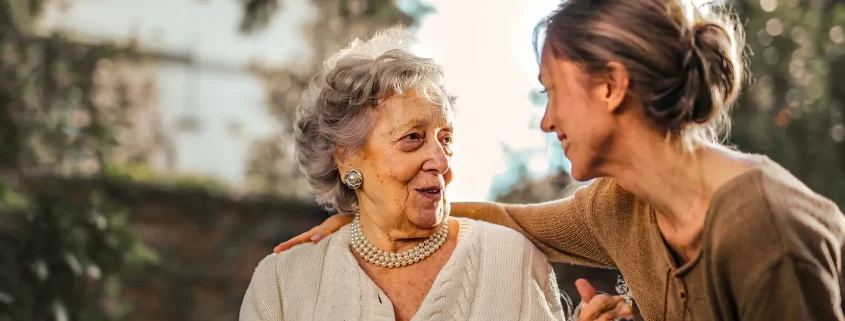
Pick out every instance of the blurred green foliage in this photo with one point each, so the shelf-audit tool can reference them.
(61, 256)
(794, 109)
(63, 261)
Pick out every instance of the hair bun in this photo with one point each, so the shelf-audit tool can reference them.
(706, 83)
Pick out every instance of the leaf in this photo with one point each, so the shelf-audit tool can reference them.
(13, 201)
(142, 255)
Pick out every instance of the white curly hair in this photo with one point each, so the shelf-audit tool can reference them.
(333, 110)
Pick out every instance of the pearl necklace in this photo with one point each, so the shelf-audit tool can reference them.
(372, 254)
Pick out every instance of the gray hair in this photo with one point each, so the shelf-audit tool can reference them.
(333, 111)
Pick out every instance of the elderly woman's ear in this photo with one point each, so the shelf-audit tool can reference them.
(349, 175)
(341, 159)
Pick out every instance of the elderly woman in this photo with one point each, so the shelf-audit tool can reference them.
(374, 137)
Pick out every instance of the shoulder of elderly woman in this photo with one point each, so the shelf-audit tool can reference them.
(512, 242)
(295, 262)
(263, 299)
(513, 259)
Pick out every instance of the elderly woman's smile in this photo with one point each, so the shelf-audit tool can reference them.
(432, 192)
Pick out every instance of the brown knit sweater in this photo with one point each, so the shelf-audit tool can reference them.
(771, 249)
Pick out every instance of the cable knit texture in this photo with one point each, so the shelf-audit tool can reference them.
(494, 273)
(771, 248)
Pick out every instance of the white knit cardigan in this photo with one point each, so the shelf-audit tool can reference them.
(494, 273)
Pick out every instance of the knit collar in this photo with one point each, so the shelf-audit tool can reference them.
(448, 286)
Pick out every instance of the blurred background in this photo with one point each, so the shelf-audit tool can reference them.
(145, 147)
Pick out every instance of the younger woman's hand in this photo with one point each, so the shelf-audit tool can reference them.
(329, 226)
(601, 307)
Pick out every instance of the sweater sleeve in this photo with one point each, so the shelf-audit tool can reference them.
(544, 276)
(262, 301)
(560, 229)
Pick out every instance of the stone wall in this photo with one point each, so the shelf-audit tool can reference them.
(209, 243)
(209, 246)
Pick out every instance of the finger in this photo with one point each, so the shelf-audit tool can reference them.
(624, 310)
(599, 305)
(335, 222)
(329, 226)
(606, 317)
(621, 311)
(613, 316)
(286, 245)
(316, 237)
(299, 239)
(585, 290)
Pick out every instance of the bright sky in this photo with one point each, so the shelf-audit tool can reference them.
(486, 49)
(484, 45)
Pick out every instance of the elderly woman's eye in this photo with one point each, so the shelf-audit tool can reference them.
(413, 136)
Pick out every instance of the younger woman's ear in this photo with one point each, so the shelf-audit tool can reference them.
(617, 81)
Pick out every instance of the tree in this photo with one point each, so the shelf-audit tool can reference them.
(65, 107)
(794, 110)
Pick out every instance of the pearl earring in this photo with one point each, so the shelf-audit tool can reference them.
(353, 178)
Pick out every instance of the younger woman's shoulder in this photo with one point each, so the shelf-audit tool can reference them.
(784, 191)
(771, 190)
(797, 211)
(770, 213)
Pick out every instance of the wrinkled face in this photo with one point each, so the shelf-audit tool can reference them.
(406, 163)
(577, 113)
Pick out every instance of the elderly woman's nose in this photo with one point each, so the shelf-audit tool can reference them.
(438, 160)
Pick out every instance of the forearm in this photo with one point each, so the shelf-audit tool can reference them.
(498, 213)
(557, 228)
(495, 213)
